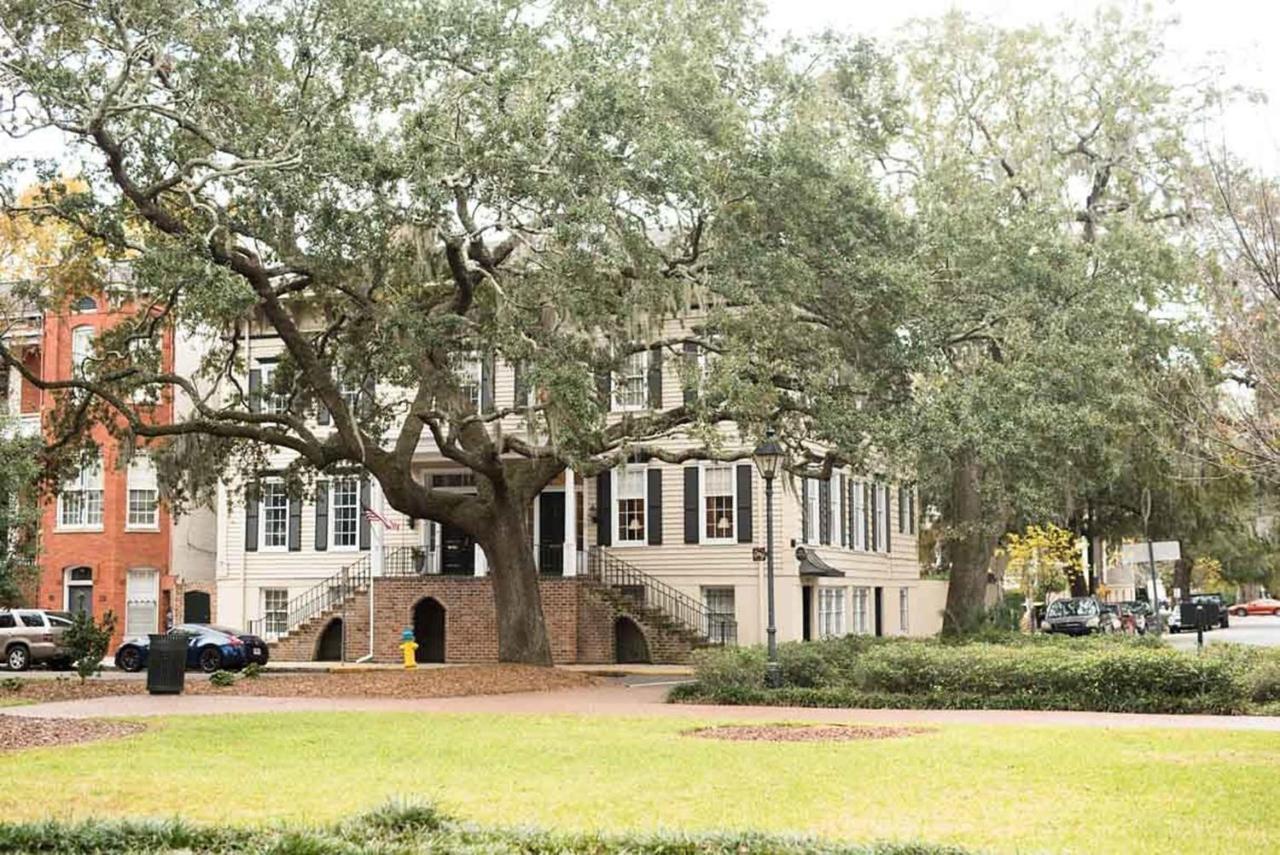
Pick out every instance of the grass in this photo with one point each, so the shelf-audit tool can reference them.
(1002, 789)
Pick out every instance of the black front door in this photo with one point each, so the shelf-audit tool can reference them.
(195, 607)
(879, 605)
(551, 533)
(806, 612)
(457, 552)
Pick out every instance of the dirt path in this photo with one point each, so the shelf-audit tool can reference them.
(618, 700)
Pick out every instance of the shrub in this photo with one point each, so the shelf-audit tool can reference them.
(11, 684)
(1103, 674)
(87, 642)
(252, 671)
(222, 679)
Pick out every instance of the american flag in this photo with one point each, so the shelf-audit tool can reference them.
(374, 517)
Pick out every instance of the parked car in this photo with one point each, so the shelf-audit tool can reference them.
(208, 649)
(1260, 606)
(1079, 616)
(1135, 611)
(30, 636)
(255, 647)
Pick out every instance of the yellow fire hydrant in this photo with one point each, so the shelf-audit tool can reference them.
(409, 648)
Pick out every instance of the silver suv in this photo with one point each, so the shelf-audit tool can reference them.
(32, 635)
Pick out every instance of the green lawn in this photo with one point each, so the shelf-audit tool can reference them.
(1003, 789)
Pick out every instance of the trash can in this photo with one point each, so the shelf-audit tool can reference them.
(167, 664)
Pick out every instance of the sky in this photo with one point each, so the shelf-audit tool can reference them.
(1237, 34)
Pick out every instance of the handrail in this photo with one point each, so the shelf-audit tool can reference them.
(689, 613)
(327, 594)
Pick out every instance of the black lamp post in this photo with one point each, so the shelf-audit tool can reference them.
(768, 458)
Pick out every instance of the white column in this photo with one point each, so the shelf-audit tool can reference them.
(570, 524)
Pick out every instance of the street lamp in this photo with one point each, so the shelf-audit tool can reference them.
(768, 458)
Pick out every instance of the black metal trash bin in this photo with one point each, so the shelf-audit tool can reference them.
(167, 664)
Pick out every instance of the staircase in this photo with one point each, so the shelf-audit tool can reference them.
(657, 604)
(320, 602)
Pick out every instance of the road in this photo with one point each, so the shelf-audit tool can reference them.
(1260, 631)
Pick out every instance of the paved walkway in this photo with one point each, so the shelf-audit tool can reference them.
(619, 700)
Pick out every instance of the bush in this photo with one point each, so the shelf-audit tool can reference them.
(11, 684)
(87, 642)
(252, 671)
(222, 679)
(1104, 674)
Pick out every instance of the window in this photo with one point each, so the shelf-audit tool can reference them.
(349, 389)
(272, 400)
(78, 590)
(837, 512)
(275, 610)
(904, 612)
(859, 515)
(812, 509)
(718, 503)
(142, 602)
(146, 358)
(631, 383)
(144, 494)
(81, 350)
(631, 484)
(32, 620)
(275, 515)
(831, 612)
(345, 513)
(721, 614)
(470, 378)
(883, 516)
(7, 621)
(80, 500)
(861, 611)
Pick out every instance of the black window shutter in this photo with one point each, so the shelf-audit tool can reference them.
(322, 515)
(655, 378)
(252, 495)
(604, 390)
(874, 541)
(867, 543)
(745, 522)
(849, 512)
(604, 508)
(365, 538)
(520, 394)
(655, 507)
(691, 510)
(295, 524)
(691, 357)
(804, 510)
(844, 497)
(824, 511)
(255, 390)
(888, 515)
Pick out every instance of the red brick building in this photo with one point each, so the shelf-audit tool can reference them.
(105, 537)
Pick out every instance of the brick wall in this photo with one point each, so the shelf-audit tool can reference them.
(580, 622)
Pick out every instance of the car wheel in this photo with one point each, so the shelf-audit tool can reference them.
(1276, 613)
(210, 659)
(18, 657)
(129, 659)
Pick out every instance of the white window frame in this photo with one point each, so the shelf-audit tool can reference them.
(471, 374)
(275, 621)
(81, 349)
(149, 393)
(274, 403)
(810, 514)
(88, 485)
(859, 532)
(149, 597)
(333, 515)
(627, 375)
(861, 618)
(269, 485)
(904, 609)
(709, 593)
(68, 583)
(832, 602)
(732, 537)
(141, 478)
(886, 517)
(616, 510)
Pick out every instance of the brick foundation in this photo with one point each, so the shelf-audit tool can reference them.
(580, 622)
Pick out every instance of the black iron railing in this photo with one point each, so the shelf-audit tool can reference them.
(650, 592)
(333, 592)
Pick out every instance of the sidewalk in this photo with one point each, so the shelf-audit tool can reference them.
(623, 701)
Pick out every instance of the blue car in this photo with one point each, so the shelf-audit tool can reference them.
(208, 649)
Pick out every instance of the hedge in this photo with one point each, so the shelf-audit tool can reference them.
(1105, 675)
(402, 829)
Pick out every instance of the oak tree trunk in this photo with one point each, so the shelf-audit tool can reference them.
(968, 550)
(522, 630)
